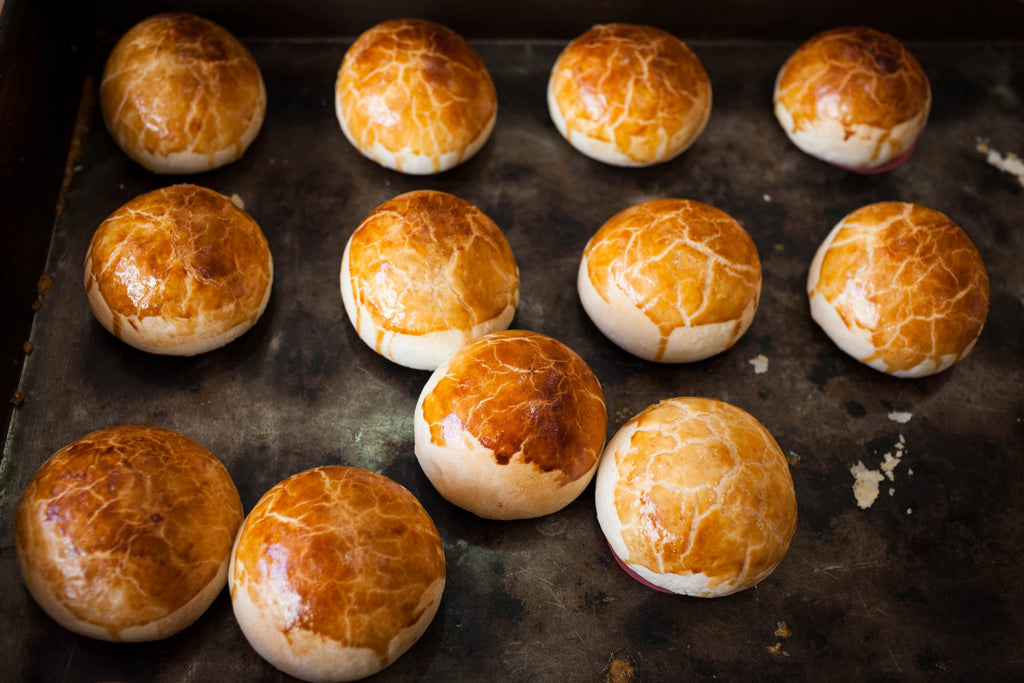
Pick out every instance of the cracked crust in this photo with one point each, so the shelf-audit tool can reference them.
(124, 534)
(335, 573)
(180, 94)
(414, 97)
(671, 280)
(178, 271)
(854, 97)
(425, 273)
(511, 426)
(901, 288)
(629, 95)
(695, 497)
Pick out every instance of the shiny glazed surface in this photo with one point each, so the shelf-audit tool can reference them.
(341, 554)
(525, 396)
(414, 88)
(909, 279)
(427, 261)
(181, 84)
(126, 525)
(637, 87)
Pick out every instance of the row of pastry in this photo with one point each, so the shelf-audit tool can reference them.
(181, 94)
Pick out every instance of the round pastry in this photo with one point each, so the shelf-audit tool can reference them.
(671, 280)
(629, 95)
(695, 497)
(854, 97)
(178, 271)
(511, 426)
(180, 94)
(336, 572)
(900, 287)
(124, 534)
(425, 273)
(413, 96)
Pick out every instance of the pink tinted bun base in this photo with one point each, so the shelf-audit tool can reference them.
(888, 166)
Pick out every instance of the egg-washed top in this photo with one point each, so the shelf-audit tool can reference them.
(703, 488)
(183, 253)
(341, 553)
(526, 397)
(414, 87)
(429, 261)
(683, 263)
(855, 75)
(909, 278)
(181, 83)
(635, 86)
(128, 524)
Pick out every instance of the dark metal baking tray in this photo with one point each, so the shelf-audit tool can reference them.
(923, 584)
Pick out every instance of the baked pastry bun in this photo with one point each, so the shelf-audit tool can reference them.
(854, 97)
(511, 426)
(335, 574)
(629, 95)
(695, 497)
(124, 534)
(178, 271)
(671, 280)
(180, 94)
(900, 287)
(413, 96)
(425, 273)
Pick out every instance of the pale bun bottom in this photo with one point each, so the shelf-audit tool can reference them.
(166, 336)
(417, 351)
(311, 657)
(608, 152)
(867, 149)
(466, 474)
(630, 329)
(409, 161)
(158, 629)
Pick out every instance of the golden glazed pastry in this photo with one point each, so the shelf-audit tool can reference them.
(425, 273)
(671, 280)
(413, 96)
(900, 287)
(180, 94)
(336, 572)
(178, 271)
(124, 534)
(511, 426)
(629, 95)
(854, 97)
(695, 497)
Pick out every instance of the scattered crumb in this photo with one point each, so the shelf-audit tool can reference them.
(777, 650)
(28, 347)
(792, 457)
(238, 201)
(621, 668)
(766, 197)
(782, 630)
(45, 284)
(909, 511)
(910, 472)
(892, 491)
(17, 398)
(890, 462)
(900, 417)
(1007, 163)
(760, 363)
(865, 485)
(37, 304)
